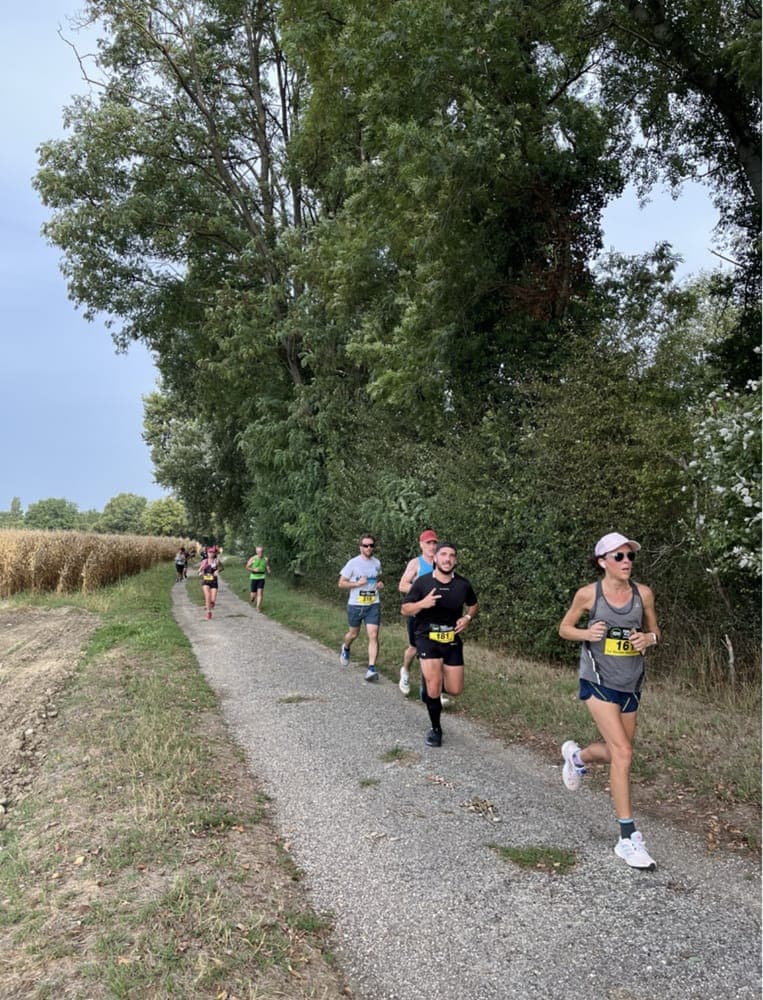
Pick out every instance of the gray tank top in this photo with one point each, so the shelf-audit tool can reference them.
(613, 662)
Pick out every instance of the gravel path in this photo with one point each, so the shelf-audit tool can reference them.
(424, 909)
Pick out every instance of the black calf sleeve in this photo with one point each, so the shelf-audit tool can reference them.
(434, 708)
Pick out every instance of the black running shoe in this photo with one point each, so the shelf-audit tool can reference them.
(434, 738)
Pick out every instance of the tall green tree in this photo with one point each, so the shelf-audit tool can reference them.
(466, 190)
(166, 516)
(684, 80)
(198, 458)
(14, 516)
(174, 206)
(123, 515)
(54, 514)
(689, 76)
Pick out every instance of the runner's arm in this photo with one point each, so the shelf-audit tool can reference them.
(467, 617)
(582, 602)
(408, 577)
(649, 634)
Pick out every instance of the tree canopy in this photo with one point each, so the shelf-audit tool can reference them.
(363, 242)
(52, 514)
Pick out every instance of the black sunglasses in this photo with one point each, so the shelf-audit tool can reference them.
(619, 556)
(368, 545)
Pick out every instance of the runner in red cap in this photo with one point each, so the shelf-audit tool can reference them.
(418, 566)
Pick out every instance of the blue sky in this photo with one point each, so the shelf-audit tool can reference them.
(72, 408)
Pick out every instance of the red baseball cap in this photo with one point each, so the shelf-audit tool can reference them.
(428, 536)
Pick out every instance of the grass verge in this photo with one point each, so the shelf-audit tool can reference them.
(145, 865)
(685, 767)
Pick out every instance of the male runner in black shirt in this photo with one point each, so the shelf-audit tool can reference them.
(437, 600)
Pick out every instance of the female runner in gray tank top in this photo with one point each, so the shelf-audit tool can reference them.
(621, 626)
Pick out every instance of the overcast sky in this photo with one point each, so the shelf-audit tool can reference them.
(72, 409)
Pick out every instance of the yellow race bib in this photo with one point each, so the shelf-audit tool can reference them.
(617, 643)
(441, 633)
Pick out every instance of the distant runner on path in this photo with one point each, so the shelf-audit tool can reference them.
(181, 561)
(621, 626)
(418, 566)
(361, 576)
(258, 565)
(209, 570)
(437, 600)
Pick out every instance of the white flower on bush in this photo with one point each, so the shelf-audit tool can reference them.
(725, 470)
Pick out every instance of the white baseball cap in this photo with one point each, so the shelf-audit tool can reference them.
(613, 541)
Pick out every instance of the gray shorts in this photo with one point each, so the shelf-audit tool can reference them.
(357, 614)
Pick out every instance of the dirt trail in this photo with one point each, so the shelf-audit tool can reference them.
(39, 651)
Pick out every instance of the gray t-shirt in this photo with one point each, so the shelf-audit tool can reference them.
(356, 569)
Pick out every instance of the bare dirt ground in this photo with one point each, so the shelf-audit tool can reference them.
(39, 651)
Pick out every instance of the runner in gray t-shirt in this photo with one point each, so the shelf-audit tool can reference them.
(361, 576)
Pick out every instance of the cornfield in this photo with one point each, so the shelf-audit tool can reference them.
(65, 561)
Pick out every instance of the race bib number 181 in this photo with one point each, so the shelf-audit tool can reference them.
(441, 633)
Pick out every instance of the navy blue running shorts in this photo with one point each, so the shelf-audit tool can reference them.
(627, 700)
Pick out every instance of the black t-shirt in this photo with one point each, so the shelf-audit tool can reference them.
(447, 611)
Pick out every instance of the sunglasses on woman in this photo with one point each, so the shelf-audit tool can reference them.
(619, 556)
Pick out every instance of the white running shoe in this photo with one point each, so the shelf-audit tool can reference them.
(571, 773)
(344, 655)
(445, 700)
(634, 853)
(405, 682)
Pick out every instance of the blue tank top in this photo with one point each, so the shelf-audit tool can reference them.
(424, 567)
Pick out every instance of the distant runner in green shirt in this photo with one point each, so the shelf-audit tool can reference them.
(258, 565)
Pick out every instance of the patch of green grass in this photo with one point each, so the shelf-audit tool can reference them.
(289, 865)
(551, 860)
(218, 818)
(368, 782)
(393, 754)
(135, 848)
(296, 699)
(307, 920)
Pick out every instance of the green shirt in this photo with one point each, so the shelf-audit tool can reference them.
(257, 568)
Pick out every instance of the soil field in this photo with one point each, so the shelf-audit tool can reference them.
(39, 650)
